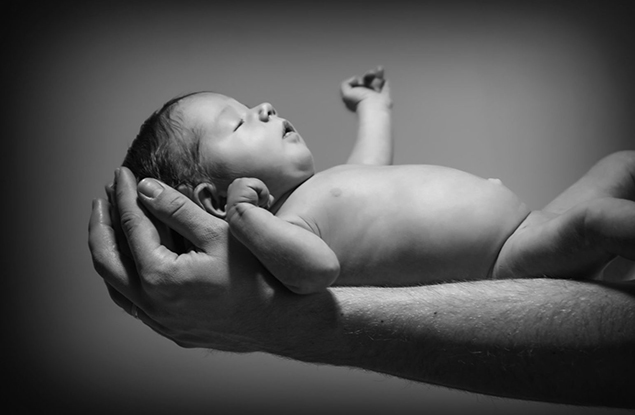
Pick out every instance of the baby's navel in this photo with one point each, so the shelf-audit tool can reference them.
(497, 181)
(336, 192)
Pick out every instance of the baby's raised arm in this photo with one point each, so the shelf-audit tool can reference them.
(297, 257)
(369, 97)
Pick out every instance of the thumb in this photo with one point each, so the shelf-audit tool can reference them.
(179, 213)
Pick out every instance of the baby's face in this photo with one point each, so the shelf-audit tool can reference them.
(248, 142)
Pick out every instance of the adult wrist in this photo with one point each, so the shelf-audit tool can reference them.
(302, 327)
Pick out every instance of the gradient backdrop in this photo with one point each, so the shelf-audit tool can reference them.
(532, 93)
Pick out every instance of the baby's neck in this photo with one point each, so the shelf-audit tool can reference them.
(280, 200)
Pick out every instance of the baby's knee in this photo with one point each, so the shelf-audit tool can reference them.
(597, 216)
(623, 160)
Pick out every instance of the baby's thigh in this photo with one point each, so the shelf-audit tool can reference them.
(550, 245)
(613, 176)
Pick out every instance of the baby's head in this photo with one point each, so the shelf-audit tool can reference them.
(199, 143)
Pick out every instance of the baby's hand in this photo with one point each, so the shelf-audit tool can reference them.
(372, 87)
(248, 190)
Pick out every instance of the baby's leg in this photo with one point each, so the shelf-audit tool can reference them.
(612, 176)
(609, 224)
(576, 244)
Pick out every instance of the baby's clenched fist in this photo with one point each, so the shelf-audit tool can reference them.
(247, 190)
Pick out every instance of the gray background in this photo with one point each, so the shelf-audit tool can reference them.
(532, 93)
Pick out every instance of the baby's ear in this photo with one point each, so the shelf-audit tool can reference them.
(207, 196)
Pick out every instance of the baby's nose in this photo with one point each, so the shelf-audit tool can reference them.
(265, 111)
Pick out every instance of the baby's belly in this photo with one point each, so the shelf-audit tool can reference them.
(418, 224)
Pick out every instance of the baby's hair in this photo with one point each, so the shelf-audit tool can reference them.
(165, 149)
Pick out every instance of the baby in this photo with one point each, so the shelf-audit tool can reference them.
(365, 222)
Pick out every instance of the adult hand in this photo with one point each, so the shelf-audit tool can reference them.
(541, 339)
(206, 297)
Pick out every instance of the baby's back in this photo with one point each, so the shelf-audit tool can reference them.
(422, 223)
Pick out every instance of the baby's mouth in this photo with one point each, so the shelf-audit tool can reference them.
(287, 129)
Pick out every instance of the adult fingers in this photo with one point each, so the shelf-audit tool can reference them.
(115, 221)
(115, 268)
(121, 300)
(168, 238)
(181, 214)
(143, 237)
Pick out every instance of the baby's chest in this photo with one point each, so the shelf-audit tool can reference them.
(357, 223)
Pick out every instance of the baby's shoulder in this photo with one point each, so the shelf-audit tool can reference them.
(308, 203)
(300, 212)
(300, 204)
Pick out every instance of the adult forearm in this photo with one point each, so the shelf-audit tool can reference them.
(549, 340)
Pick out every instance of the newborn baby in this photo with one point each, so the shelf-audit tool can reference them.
(358, 223)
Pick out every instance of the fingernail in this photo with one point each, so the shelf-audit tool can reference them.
(150, 188)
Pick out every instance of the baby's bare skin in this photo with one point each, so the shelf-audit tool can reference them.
(429, 223)
(359, 223)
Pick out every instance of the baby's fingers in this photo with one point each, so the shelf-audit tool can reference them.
(351, 83)
(249, 190)
(378, 72)
(374, 79)
(265, 200)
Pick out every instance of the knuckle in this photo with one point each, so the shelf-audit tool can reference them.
(160, 275)
(175, 206)
(252, 181)
(153, 276)
(593, 214)
(175, 201)
(240, 185)
(129, 221)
